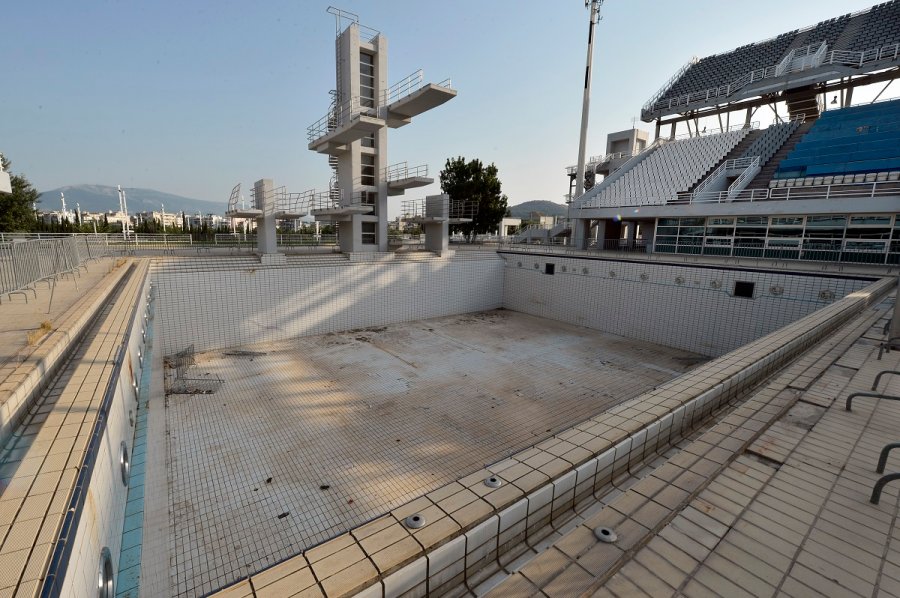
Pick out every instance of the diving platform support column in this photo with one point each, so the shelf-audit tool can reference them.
(437, 225)
(266, 233)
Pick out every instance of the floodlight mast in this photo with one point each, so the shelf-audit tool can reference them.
(594, 6)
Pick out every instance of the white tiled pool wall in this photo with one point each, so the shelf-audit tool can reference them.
(475, 555)
(214, 309)
(103, 512)
(690, 308)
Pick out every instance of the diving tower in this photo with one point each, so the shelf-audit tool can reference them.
(353, 134)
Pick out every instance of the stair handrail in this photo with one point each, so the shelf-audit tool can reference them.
(622, 170)
(724, 166)
(750, 170)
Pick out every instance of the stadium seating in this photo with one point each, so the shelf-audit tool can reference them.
(672, 168)
(851, 141)
(771, 139)
(721, 69)
(875, 28)
(881, 27)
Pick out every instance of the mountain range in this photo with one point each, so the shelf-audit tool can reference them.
(103, 198)
(547, 208)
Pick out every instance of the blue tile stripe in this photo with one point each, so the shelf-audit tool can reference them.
(128, 580)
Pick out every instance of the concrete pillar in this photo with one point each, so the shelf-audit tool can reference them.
(266, 235)
(648, 231)
(437, 234)
(600, 234)
(581, 232)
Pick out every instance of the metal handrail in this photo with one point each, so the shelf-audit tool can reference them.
(879, 486)
(750, 171)
(844, 190)
(338, 116)
(871, 395)
(726, 165)
(882, 458)
(883, 373)
(403, 87)
(402, 170)
(602, 159)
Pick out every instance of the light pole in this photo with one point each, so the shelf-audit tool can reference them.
(594, 6)
(123, 207)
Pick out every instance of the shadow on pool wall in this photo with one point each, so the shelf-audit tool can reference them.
(690, 308)
(229, 307)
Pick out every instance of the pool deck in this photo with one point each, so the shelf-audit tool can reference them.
(772, 500)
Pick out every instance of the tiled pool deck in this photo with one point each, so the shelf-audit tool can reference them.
(784, 512)
(43, 456)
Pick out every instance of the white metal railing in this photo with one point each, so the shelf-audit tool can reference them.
(705, 133)
(800, 59)
(602, 159)
(722, 169)
(413, 208)
(401, 170)
(785, 63)
(820, 57)
(750, 171)
(323, 200)
(403, 88)
(233, 198)
(366, 34)
(841, 191)
(338, 116)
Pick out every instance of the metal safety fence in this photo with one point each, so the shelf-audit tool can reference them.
(26, 262)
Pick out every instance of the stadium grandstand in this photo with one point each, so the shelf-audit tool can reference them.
(822, 182)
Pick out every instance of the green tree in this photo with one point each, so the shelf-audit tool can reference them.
(474, 182)
(16, 208)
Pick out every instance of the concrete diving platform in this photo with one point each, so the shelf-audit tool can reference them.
(428, 97)
(397, 187)
(336, 141)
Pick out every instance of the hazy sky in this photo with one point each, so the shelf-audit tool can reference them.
(192, 97)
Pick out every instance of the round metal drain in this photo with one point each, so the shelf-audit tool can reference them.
(605, 534)
(414, 521)
(493, 482)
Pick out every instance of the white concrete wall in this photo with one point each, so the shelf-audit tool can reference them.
(647, 301)
(229, 307)
(104, 507)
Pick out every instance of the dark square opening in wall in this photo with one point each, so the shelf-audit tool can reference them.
(549, 268)
(743, 288)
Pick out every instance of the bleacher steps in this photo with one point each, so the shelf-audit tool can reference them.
(761, 180)
(736, 152)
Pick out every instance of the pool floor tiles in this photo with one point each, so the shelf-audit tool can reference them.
(311, 437)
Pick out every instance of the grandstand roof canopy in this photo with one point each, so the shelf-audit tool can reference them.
(844, 47)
